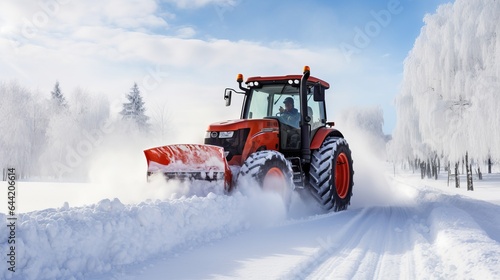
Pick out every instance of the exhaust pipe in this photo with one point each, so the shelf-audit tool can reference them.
(304, 123)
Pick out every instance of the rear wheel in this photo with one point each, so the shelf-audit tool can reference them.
(272, 172)
(331, 175)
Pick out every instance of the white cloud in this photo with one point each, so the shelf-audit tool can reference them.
(25, 19)
(186, 32)
(194, 4)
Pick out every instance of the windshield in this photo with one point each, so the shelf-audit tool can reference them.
(266, 101)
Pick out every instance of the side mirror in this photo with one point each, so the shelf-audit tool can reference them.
(319, 93)
(227, 95)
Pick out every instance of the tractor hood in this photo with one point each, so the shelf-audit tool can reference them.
(239, 138)
(255, 125)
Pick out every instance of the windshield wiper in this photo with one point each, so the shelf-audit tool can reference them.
(281, 94)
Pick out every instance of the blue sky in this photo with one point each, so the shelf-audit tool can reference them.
(316, 23)
(196, 47)
(308, 23)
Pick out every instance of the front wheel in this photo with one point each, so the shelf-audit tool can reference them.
(272, 172)
(332, 174)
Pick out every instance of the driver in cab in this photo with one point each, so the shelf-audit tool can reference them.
(289, 115)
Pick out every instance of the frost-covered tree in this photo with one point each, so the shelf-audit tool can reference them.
(57, 97)
(448, 104)
(42, 142)
(23, 121)
(75, 135)
(160, 122)
(134, 109)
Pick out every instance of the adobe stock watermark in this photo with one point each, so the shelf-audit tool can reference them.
(363, 36)
(223, 8)
(75, 155)
(40, 19)
(154, 78)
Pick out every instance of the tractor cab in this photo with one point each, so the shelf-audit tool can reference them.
(278, 98)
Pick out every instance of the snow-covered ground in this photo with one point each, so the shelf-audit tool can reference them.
(398, 227)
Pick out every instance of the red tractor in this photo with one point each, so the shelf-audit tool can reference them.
(282, 146)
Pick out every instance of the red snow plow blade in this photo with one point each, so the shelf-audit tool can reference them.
(189, 162)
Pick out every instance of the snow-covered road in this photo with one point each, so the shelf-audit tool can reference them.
(432, 236)
(424, 230)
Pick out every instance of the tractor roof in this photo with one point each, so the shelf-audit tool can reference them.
(279, 79)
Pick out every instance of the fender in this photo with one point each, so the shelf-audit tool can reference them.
(321, 134)
(266, 139)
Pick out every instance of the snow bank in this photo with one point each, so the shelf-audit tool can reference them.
(455, 234)
(78, 242)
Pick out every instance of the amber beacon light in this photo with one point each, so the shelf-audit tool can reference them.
(239, 78)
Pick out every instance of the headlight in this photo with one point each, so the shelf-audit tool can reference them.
(226, 134)
(211, 134)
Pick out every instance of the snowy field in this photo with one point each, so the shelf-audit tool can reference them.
(398, 227)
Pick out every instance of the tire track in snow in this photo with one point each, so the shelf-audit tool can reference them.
(389, 262)
(329, 245)
(357, 248)
(373, 249)
(439, 236)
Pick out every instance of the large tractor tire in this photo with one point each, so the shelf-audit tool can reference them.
(331, 174)
(271, 171)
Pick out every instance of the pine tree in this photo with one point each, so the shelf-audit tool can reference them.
(134, 110)
(58, 97)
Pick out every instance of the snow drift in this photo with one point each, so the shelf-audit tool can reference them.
(67, 242)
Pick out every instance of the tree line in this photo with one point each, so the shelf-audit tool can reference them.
(51, 135)
(447, 109)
